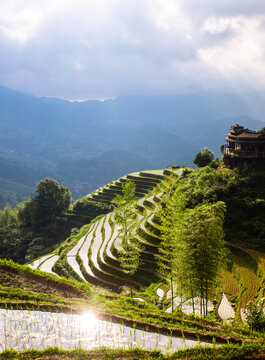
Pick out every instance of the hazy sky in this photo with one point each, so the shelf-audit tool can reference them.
(79, 49)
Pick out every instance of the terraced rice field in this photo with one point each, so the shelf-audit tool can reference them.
(48, 264)
(94, 258)
(250, 280)
(229, 284)
(260, 257)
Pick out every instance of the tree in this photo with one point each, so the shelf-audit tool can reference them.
(129, 255)
(192, 250)
(51, 200)
(8, 216)
(201, 250)
(167, 252)
(204, 157)
(124, 211)
(261, 131)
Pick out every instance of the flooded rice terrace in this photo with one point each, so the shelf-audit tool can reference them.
(22, 330)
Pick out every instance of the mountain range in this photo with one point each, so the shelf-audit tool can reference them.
(87, 144)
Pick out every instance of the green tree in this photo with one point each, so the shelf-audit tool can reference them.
(261, 131)
(201, 250)
(167, 257)
(204, 157)
(125, 216)
(124, 213)
(52, 199)
(27, 212)
(8, 216)
(192, 250)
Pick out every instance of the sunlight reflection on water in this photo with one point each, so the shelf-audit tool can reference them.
(88, 320)
(38, 330)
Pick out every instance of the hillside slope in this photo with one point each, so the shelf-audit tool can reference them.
(94, 256)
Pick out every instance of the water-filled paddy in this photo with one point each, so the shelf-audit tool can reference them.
(38, 330)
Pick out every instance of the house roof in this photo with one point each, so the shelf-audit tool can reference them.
(237, 133)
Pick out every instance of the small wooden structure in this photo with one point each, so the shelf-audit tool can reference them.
(245, 148)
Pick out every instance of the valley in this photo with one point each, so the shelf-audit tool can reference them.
(85, 145)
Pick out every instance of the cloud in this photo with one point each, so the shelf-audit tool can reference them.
(239, 59)
(104, 48)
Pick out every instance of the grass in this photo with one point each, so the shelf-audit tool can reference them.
(20, 283)
(225, 352)
(8, 293)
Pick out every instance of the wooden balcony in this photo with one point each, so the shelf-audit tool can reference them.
(225, 150)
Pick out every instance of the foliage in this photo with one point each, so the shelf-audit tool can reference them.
(167, 256)
(243, 194)
(192, 249)
(37, 225)
(204, 157)
(8, 216)
(255, 315)
(51, 200)
(129, 255)
(9, 198)
(261, 131)
(200, 251)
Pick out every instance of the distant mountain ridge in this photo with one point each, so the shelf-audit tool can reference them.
(99, 141)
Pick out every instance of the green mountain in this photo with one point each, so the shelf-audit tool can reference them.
(84, 145)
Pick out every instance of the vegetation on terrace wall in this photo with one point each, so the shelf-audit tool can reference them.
(89, 206)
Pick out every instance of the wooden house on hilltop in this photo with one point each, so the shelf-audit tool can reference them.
(245, 148)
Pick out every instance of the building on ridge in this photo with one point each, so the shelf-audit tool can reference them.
(245, 148)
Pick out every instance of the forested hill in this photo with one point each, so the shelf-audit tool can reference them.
(202, 207)
(86, 144)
